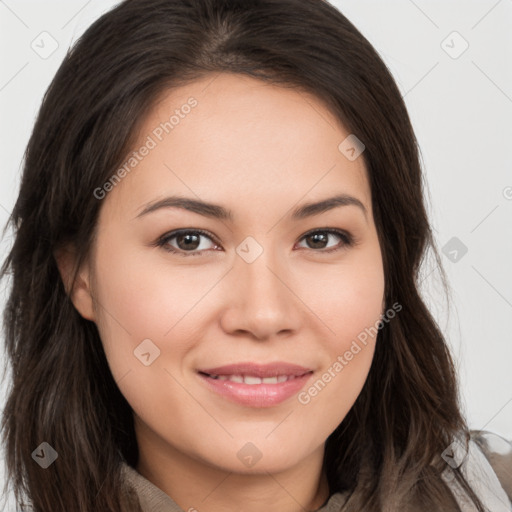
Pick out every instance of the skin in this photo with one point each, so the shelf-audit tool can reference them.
(260, 151)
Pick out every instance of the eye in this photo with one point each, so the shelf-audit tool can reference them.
(188, 242)
(320, 237)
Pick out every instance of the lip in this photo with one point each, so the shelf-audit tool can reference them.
(257, 395)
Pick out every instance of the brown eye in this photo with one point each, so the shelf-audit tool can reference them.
(186, 242)
(320, 239)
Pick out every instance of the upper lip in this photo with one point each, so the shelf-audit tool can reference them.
(258, 370)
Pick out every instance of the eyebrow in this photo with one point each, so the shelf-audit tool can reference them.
(216, 211)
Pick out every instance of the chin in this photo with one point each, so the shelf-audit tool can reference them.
(257, 457)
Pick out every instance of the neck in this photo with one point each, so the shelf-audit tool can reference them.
(196, 486)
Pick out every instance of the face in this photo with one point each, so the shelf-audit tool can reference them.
(257, 280)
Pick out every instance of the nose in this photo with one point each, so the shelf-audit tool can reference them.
(261, 302)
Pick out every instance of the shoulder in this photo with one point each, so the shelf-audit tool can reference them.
(474, 461)
(498, 452)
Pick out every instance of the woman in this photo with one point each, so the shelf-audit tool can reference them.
(214, 302)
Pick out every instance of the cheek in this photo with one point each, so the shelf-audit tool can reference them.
(147, 297)
(140, 301)
(353, 315)
(139, 315)
(349, 301)
(330, 396)
(347, 297)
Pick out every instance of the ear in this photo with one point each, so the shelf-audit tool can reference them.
(80, 291)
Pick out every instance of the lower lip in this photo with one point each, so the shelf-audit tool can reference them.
(256, 395)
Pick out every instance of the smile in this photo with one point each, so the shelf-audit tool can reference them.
(252, 385)
(251, 379)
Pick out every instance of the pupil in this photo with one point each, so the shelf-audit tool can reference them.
(318, 238)
(189, 243)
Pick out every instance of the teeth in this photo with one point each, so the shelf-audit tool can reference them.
(251, 380)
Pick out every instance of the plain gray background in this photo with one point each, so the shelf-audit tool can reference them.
(452, 62)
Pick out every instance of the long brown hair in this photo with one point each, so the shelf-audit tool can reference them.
(387, 451)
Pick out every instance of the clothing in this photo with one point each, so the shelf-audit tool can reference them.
(482, 478)
(498, 451)
(475, 466)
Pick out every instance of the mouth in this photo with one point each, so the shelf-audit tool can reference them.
(251, 380)
(256, 385)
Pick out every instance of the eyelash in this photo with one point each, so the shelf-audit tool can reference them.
(347, 240)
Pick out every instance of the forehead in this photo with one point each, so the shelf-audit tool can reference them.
(228, 136)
